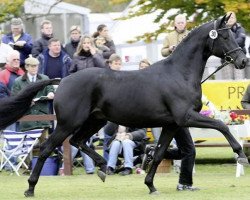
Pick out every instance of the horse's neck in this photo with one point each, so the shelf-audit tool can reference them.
(190, 56)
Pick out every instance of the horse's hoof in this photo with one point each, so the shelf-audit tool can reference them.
(28, 193)
(101, 175)
(154, 193)
(242, 161)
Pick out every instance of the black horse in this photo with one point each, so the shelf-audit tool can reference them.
(167, 94)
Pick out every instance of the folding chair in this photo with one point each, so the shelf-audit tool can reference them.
(18, 146)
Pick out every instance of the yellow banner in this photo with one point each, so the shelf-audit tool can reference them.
(225, 95)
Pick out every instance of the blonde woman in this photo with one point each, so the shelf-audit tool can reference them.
(86, 56)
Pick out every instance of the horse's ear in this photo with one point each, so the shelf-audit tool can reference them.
(222, 21)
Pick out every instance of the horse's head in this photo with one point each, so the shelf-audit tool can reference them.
(223, 44)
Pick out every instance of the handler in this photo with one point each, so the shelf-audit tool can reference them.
(185, 146)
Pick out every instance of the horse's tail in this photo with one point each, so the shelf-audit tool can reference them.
(14, 107)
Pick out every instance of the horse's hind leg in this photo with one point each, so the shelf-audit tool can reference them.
(195, 119)
(90, 127)
(163, 143)
(55, 139)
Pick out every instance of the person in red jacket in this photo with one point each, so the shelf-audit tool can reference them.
(9, 74)
(12, 69)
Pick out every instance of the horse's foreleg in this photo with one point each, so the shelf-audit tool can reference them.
(56, 138)
(163, 143)
(195, 119)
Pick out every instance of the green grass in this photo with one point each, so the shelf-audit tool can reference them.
(217, 182)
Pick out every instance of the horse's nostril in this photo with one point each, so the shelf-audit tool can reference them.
(244, 62)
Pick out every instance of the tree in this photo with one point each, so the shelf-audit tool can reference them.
(10, 9)
(198, 11)
(99, 6)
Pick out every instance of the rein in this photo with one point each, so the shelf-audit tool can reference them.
(219, 68)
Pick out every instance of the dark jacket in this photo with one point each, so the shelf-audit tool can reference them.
(239, 35)
(86, 61)
(40, 45)
(137, 134)
(66, 62)
(4, 92)
(25, 50)
(70, 48)
(245, 102)
(111, 45)
(39, 108)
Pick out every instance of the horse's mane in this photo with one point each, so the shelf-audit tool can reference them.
(193, 31)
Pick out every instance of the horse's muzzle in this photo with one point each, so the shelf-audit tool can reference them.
(241, 62)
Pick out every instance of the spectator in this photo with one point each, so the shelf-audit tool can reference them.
(156, 131)
(75, 35)
(5, 49)
(245, 101)
(102, 30)
(237, 29)
(124, 139)
(100, 44)
(46, 34)
(12, 69)
(229, 72)
(86, 56)
(39, 106)
(8, 75)
(175, 37)
(54, 62)
(19, 40)
(114, 63)
(144, 63)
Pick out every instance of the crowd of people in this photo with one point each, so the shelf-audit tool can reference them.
(24, 61)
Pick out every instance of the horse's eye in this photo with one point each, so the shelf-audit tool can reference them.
(224, 36)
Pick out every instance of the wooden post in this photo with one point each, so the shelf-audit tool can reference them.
(67, 158)
(165, 166)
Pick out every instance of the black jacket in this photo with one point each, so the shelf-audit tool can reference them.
(70, 48)
(86, 61)
(240, 35)
(40, 45)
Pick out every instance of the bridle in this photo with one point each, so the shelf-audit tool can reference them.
(227, 55)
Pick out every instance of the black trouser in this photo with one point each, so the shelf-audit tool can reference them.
(185, 152)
